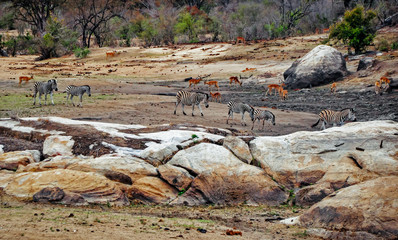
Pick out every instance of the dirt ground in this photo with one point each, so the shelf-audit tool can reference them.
(33, 221)
(138, 85)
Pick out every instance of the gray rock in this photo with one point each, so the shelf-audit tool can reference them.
(365, 63)
(322, 65)
(239, 148)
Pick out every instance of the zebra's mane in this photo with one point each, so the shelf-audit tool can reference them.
(207, 95)
(87, 86)
(351, 109)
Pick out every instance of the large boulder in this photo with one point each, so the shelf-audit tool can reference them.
(12, 160)
(113, 166)
(58, 145)
(364, 211)
(152, 190)
(221, 178)
(303, 158)
(232, 186)
(322, 65)
(77, 187)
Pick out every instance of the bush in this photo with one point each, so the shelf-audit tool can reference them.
(81, 52)
(394, 45)
(356, 29)
(383, 45)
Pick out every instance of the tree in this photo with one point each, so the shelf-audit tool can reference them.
(92, 15)
(35, 12)
(356, 29)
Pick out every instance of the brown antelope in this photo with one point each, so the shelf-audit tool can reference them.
(377, 87)
(240, 40)
(385, 80)
(216, 96)
(249, 69)
(326, 30)
(234, 80)
(284, 94)
(25, 78)
(333, 88)
(273, 86)
(194, 81)
(110, 54)
(210, 83)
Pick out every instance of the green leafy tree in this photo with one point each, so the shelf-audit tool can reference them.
(356, 29)
(190, 25)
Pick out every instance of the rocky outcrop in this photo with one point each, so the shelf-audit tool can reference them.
(347, 174)
(232, 186)
(152, 190)
(365, 63)
(12, 160)
(239, 148)
(301, 159)
(322, 65)
(365, 211)
(78, 187)
(58, 145)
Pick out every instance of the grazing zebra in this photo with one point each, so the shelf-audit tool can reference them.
(191, 98)
(335, 117)
(73, 90)
(235, 107)
(264, 115)
(45, 88)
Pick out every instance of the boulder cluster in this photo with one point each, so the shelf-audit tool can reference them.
(347, 175)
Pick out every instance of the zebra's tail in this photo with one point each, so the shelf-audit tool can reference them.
(314, 125)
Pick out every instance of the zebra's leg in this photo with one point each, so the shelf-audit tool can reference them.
(253, 123)
(200, 109)
(71, 99)
(182, 105)
(81, 100)
(175, 110)
(263, 123)
(52, 100)
(40, 98)
(243, 123)
(323, 126)
(230, 114)
(45, 99)
(34, 98)
(193, 108)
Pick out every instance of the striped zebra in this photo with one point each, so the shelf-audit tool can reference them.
(73, 90)
(45, 88)
(237, 107)
(264, 115)
(335, 117)
(191, 98)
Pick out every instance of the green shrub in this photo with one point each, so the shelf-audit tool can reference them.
(356, 29)
(394, 45)
(81, 52)
(383, 45)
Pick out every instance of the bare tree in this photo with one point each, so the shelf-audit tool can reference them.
(92, 15)
(35, 12)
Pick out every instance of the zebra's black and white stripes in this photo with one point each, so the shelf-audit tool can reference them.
(263, 115)
(191, 98)
(73, 90)
(237, 107)
(335, 117)
(45, 88)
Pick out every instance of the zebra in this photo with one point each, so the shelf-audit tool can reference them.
(45, 88)
(73, 90)
(191, 98)
(237, 107)
(335, 117)
(264, 115)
